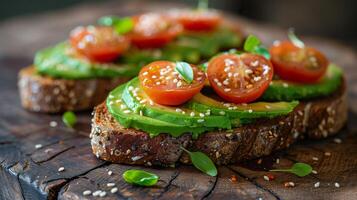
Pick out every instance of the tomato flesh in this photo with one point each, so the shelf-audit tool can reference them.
(98, 43)
(239, 78)
(165, 86)
(197, 20)
(303, 65)
(153, 30)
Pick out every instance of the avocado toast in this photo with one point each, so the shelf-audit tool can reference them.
(245, 111)
(78, 73)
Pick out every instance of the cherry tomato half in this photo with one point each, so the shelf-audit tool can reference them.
(239, 78)
(165, 86)
(197, 20)
(98, 43)
(304, 65)
(153, 30)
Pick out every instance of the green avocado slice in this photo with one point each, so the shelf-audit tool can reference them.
(138, 101)
(280, 90)
(129, 119)
(57, 61)
(201, 102)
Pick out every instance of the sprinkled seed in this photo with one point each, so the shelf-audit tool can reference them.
(53, 124)
(289, 184)
(102, 194)
(277, 161)
(130, 88)
(256, 79)
(178, 110)
(219, 84)
(192, 114)
(145, 73)
(202, 115)
(114, 190)
(216, 80)
(110, 173)
(314, 171)
(142, 101)
(337, 140)
(175, 80)
(250, 110)
(317, 184)
(153, 76)
(248, 71)
(327, 154)
(179, 84)
(285, 85)
(267, 106)
(222, 112)
(200, 120)
(38, 146)
(110, 184)
(266, 178)
(96, 193)
(337, 185)
(87, 192)
(61, 169)
(126, 111)
(315, 158)
(227, 89)
(122, 106)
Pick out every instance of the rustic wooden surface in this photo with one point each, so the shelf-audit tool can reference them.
(30, 173)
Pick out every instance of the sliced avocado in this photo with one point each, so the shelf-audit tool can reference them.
(280, 90)
(201, 102)
(138, 101)
(154, 127)
(58, 61)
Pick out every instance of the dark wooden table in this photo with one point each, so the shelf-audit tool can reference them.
(32, 151)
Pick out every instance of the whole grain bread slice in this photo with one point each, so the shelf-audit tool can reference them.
(41, 93)
(314, 119)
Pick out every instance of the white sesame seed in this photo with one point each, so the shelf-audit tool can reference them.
(337, 140)
(219, 84)
(158, 83)
(337, 185)
(227, 89)
(202, 115)
(226, 82)
(153, 76)
(175, 80)
(200, 120)
(248, 71)
(216, 80)
(151, 102)
(110, 184)
(145, 73)
(277, 161)
(61, 169)
(110, 173)
(256, 79)
(122, 106)
(111, 96)
(230, 74)
(130, 88)
(118, 101)
(96, 193)
(267, 106)
(141, 113)
(314, 171)
(102, 194)
(315, 158)
(114, 190)
(317, 184)
(292, 184)
(179, 84)
(178, 110)
(222, 112)
(266, 178)
(192, 114)
(255, 63)
(126, 111)
(236, 74)
(87, 192)
(53, 124)
(38, 146)
(142, 101)
(327, 154)
(250, 110)
(285, 85)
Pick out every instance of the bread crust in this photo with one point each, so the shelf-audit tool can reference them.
(314, 119)
(41, 93)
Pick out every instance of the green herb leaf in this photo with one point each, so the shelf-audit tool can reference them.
(185, 70)
(251, 43)
(204, 66)
(299, 169)
(121, 25)
(202, 162)
(262, 51)
(140, 177)
(294, 39)
(69, 118)
(202, 5)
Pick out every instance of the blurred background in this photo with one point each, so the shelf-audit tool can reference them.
(333, 19)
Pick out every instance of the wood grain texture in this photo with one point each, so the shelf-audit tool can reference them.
(27, 172)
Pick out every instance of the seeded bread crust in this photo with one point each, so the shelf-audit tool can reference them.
(313, 119)
(50, 95)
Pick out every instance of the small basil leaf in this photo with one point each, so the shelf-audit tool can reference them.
(299, 169)
(185, 70)
(202, 162)
(120, 25)
(69, 118)
(140, 177)
(294, 39)
(262, 51)
(251, 43)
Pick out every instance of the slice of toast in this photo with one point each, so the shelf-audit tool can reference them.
(51, 95)
(315, 119)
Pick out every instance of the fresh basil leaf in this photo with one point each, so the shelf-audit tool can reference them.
(202, 162)
(299, 169)
(251, 43)
(120, 25)
(69, 118)
(262, 51)
(140, 177)
(294, 39)
(185, 70)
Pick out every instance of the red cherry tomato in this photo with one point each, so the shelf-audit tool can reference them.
(197, 20)
(153, 30)
(304, 65)
(98, 43)
(239, 78)
(165, 86)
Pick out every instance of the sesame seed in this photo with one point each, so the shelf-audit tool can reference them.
(122, 106)
(96, 193)
(130, 88)
(175, 80)
(53, 124)
(337, 185)
(277, 161)
(236, 74)
(227, 89)
(230, 74)
(145, 73)
(179, 84)
(266, 178)
(192, 114)
(153, 76)
(216, 80)
(126, 111)
(226, 82)
(114, 190)
(102, 194)
(314, 171)
(250, 110)
(327, 154)
(118, 101)
(158, 83)
(38, 146)
(222, 112)
(219, 84)
(142, 101)
(267, 106)
(178, 110)
(141, 113)
(256, 79)
(289, 184)
(248, 71)
(285, 85)
(315, 158)
(110, 173)
(317, 184)
(110, 184)
(87, 192)
(255, 63)
(337, 140)
(200, 120)
(61, 169)
(202, 115)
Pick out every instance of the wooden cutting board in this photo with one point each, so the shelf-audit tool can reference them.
(34, 146)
